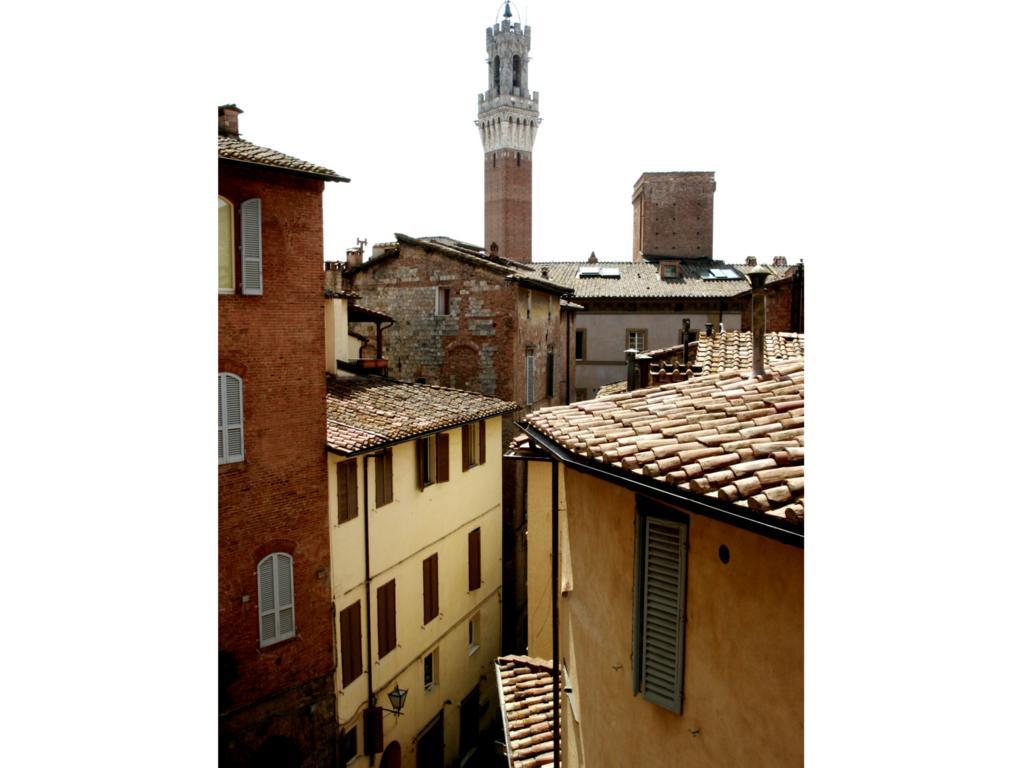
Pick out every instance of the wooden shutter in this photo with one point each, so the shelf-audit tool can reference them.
(386, 639)
(389, 477)
(442, 457)
(483, 442)
(351, 644)
(383, 479)
(421, 453)
(430, 599)
(252, 248)
(474, 559)
(551, 374)
(229, 418)
(276, 604)
(348, 491)
(467, 442)
(662, 608)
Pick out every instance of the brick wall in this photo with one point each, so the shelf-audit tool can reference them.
(781, 314)
(508, 206)
(276, 500)
(673, 215)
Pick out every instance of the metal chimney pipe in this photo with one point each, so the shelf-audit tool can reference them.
(707, 328)
(630, 369)
(757, 277)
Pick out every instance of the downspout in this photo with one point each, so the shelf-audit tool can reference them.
(556, 663)
(366, 580)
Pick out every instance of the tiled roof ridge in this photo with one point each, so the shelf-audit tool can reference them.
(240, 150)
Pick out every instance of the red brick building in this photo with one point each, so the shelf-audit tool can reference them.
(275, 614)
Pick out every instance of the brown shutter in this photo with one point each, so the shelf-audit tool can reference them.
(483, 442)
(430, 601)
(348, 501)
(474, 559)
(386, 639)
(442, 457)
(380, 480)
(467, 439)
(389, 477)
(421, 450)
(351, 644)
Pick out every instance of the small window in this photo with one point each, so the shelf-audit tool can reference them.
(497, 73)
(529, 304)
(252, 247)
(551, 374)
(474, 560)
(383, 475)
(432, 460)
(349, 750)
(430, 671)
(636, 338)
(515, 71)
(430, 601)
(474, 634)
(444, 296)
(226, 245)
(386, 632)
(348, 491)
(277, 609)
(549, 306)
(529, 378)
(350, 637)
(659, 607)
(229, 418)
(581, 344)
(474, 444)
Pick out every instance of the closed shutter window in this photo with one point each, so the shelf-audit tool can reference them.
(483, 442)
(442, 457)
(430, 601)
(252, 247)
(383, 479)
(348, 491)
(660, 610)
(386, 635)
(277, 609)
(351, 644)
(229, 418)
(467, 447)
(474, 559)
(529, 378)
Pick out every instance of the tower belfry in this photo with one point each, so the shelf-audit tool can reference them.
(508, 117)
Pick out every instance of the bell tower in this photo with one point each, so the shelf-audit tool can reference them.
(507, 117)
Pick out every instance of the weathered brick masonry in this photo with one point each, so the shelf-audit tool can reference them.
(508, 185)
(276, 499)
(673, 214)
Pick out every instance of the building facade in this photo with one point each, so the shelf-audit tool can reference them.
(275, 634)
(415, 518)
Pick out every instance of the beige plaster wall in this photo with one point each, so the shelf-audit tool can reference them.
(743, 684)
(538, 555)
(414, 526)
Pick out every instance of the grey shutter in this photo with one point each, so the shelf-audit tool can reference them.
(285, 601)
(663, 605)
(268, 606)
(220, 417)
(229, 418)
(252, 247)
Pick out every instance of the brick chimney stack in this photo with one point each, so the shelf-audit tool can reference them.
(227, 119)
(757, 277)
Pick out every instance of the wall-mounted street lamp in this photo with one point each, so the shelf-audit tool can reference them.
(397, 699)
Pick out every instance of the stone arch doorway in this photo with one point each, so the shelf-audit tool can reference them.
(392, 757)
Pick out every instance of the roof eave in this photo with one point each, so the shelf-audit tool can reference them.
(294, 171)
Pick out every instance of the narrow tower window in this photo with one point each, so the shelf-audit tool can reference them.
(497, 73)
(515, 71)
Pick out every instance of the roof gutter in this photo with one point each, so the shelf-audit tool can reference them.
(778, 530)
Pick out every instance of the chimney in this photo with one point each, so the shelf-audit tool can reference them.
(227, 120)
(592, 259)
(544, 272)
(757, 277)
(751, 261)
(707, 328)
(779, 261)
(353, 257)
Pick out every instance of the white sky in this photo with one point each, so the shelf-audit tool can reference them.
(624, 88)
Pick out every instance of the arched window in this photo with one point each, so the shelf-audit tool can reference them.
(277, 608)
(229, 419)
(226, 242)
(497, 73)
(515, 71)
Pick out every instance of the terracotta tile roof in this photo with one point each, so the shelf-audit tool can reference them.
(366, 412)
(726, 435)
(235, 148)
(641, 280)
(726, 351)
(524, 691)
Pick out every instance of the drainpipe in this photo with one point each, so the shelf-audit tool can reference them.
(757, 277)
(556, 664)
